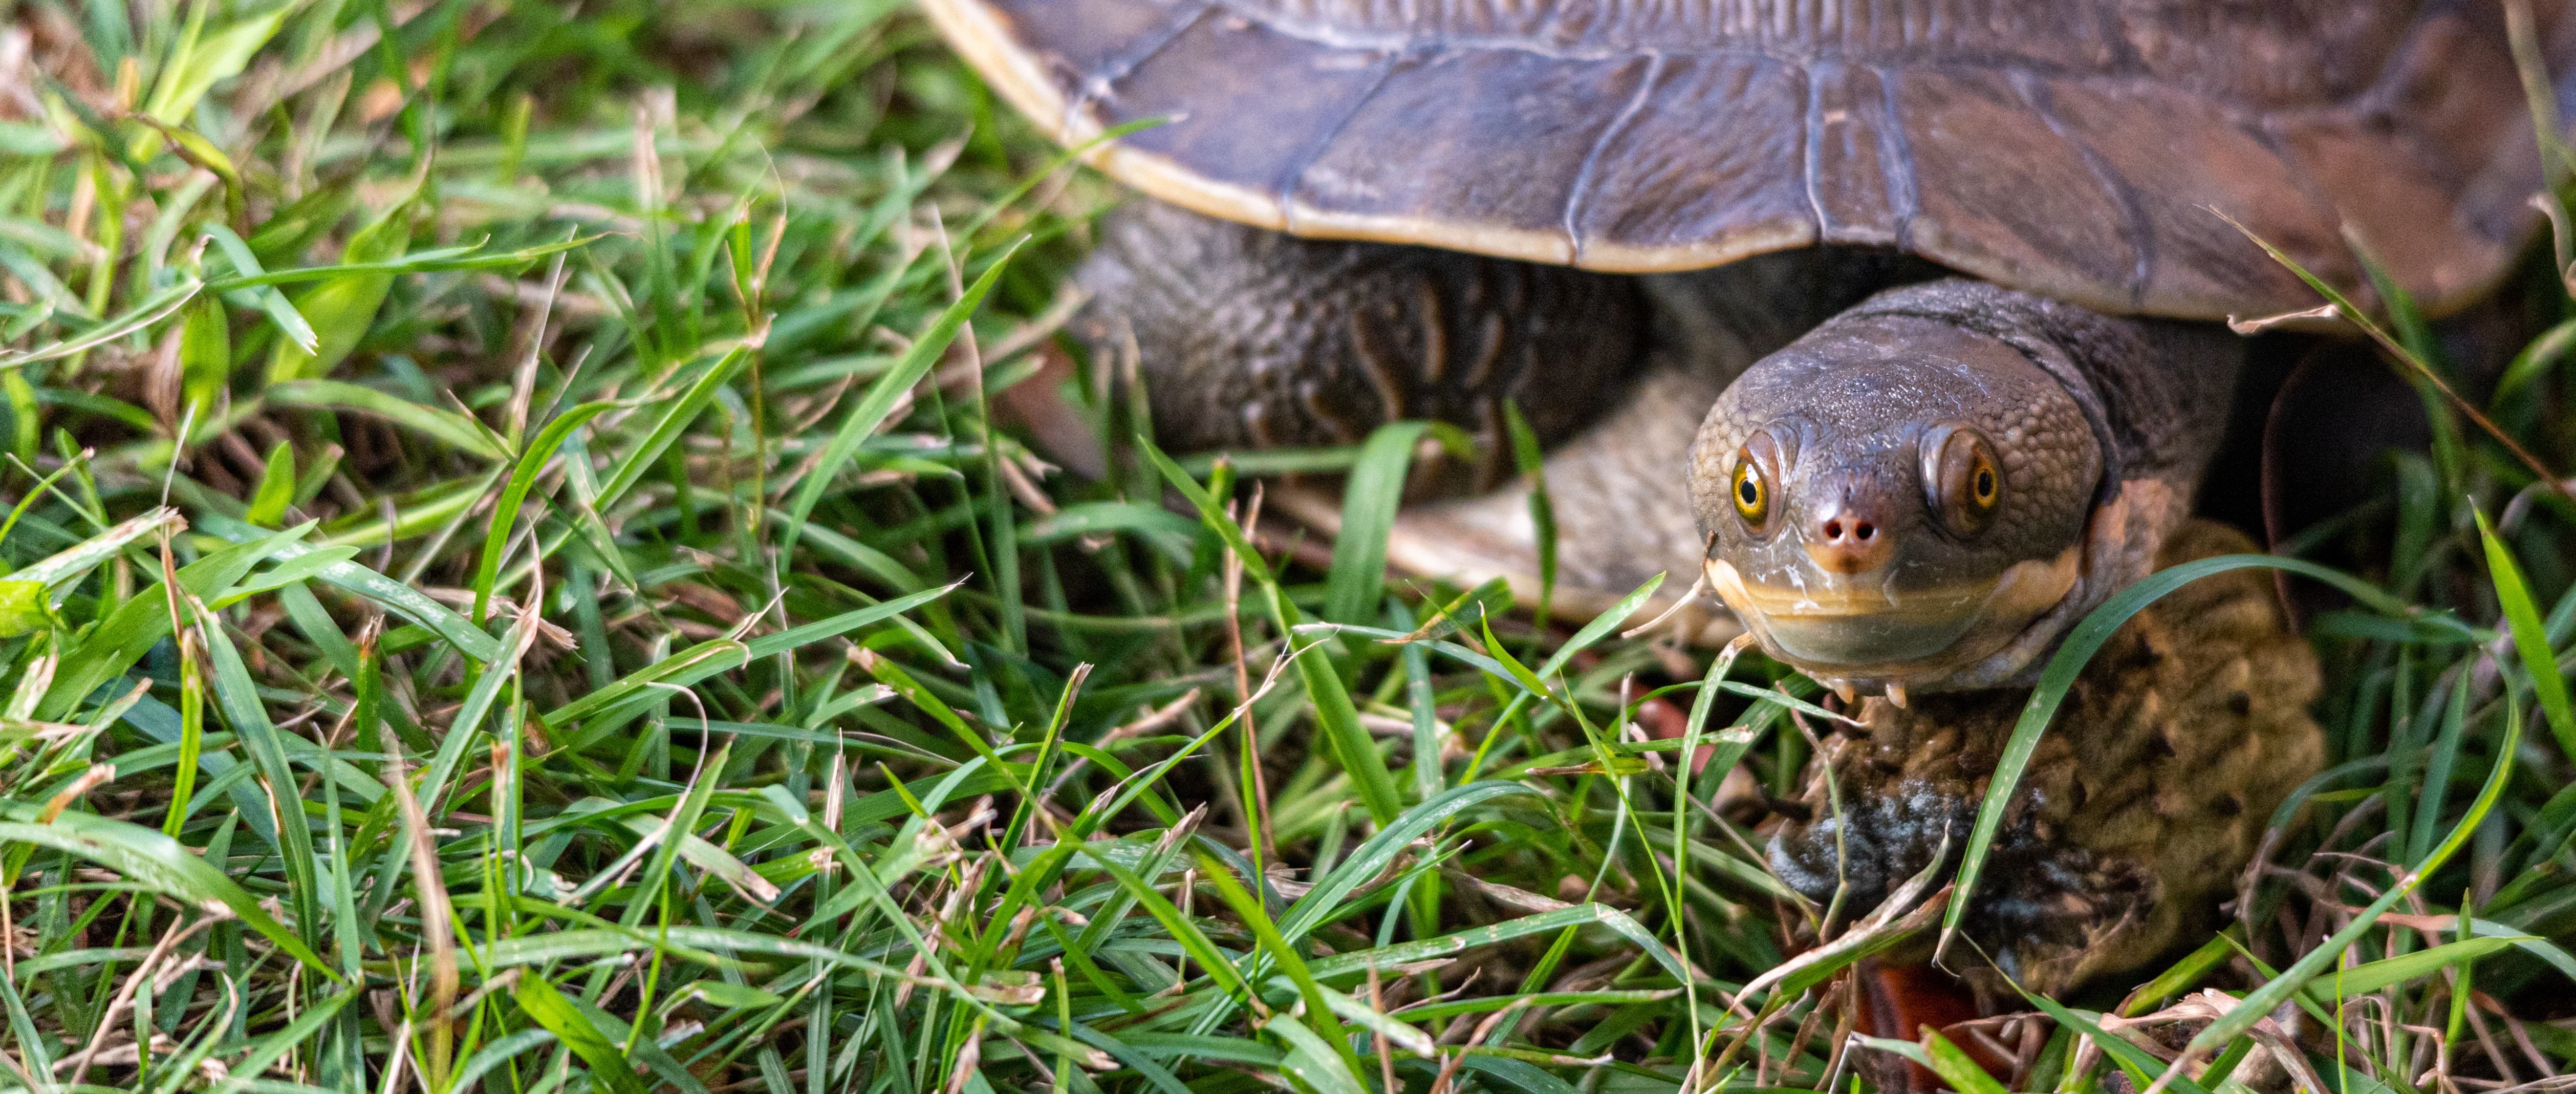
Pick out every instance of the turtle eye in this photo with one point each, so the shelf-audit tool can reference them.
(1751, 485)
(1963, 478)
(1752, 498)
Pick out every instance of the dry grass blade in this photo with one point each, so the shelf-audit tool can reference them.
(134, 982)
(435, 916)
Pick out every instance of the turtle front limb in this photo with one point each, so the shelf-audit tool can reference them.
(1249, 338)
(1620, 508)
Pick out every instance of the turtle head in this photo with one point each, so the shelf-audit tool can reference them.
(1894, 498)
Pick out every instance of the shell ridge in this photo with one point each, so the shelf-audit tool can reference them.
(2380, 94)
(2133, 214)
(1896, 153)
(2260, 129)
(1928, 43)
(1582, 188)
(2124, 53)
(1812, 156)
(1807, 144)
(1101, 83)
(1755, 36)
(1286, 185)
(2384, 94)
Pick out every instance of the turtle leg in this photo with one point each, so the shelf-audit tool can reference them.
(1618, 500)
(1251, 338)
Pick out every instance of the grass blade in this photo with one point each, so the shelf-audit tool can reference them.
(1310, 911)
(445, 426)
(1352, 747)
(554, 1011)
(1283, 955)
(505, 515)
(2271, 995)
(1943, 1058)
(274, 1047)
(2372, 976)
(1311, 1057)
(2530, 637)
(666, 428)
(158, 307)
(879, 402)
(156, 861)
(1369, 501)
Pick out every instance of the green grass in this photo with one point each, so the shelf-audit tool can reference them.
(604, 640)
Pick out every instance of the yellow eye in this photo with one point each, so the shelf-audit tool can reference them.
(1963, 480)
(1750, 487)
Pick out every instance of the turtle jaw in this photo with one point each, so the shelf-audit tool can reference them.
(1876, 631)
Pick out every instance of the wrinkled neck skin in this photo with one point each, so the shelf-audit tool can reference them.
(2100, 426)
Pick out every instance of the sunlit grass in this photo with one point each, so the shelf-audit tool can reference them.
(517, 578)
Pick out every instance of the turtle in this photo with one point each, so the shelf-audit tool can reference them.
(1906, 327)
(1962, 263)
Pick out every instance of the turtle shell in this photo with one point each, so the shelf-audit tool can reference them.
(2081, 149)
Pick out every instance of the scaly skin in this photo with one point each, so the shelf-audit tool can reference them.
(2145, 799)
(1253, 339)
(1859, 571)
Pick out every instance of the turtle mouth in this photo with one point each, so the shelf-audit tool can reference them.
(1832, 625)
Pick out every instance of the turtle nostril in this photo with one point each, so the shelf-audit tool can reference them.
(1846, 540)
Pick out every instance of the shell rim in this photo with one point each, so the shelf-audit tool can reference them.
(982, 37)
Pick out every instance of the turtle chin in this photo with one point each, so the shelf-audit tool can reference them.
(1878, 632)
